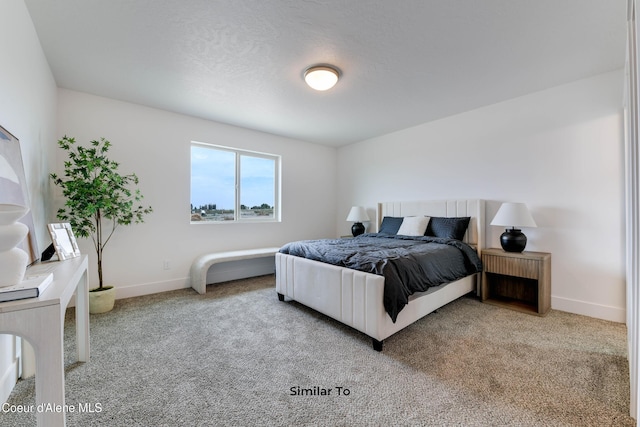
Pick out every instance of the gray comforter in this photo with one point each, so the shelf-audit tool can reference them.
(408, 264)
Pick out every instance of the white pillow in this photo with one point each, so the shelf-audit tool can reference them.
(414, 225)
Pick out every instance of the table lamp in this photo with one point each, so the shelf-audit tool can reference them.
(357, 214)
(513, 215)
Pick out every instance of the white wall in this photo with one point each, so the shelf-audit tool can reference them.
(28, 110)
(155, 145)
(567, 143)
(560, 150)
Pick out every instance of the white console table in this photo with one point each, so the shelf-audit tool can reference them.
(41, 322)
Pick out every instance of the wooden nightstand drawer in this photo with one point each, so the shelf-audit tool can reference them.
(520, 281)
(528, 268)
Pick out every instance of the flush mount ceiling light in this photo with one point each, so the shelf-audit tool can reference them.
(321, 77)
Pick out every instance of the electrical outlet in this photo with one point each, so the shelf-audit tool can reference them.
(166, 265)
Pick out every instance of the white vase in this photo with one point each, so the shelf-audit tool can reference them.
(13, 264)
(11, 235)
(11, 213)
(13, 260)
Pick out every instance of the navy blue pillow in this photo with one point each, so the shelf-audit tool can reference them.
(390, 224)
(448, 228)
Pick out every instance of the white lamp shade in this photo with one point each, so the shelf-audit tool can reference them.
(513, 215)
(358, 214)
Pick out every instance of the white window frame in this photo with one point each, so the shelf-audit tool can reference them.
(238, 174)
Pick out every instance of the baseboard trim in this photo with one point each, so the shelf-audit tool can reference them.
(599, 311)
(232, 271)
(151, 288)
(9, 379)
(141, 289)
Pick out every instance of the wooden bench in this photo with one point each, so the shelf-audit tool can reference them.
(201, 265)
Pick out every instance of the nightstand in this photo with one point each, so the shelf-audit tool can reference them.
(520, 281)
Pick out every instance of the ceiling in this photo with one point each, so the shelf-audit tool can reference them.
(403, 63)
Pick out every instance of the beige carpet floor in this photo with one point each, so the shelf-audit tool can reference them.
(238, 356)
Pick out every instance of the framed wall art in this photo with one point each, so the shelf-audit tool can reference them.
(13, 188)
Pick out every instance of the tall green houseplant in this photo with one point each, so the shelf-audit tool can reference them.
(97, 195)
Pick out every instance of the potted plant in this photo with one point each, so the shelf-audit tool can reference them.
(98, 200)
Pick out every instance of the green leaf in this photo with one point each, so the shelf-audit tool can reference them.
(94, 191)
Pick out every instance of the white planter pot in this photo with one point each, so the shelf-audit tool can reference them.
(102, 301)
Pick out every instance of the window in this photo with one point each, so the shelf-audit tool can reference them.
(233, 185)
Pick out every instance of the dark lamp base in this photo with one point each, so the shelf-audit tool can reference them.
(512, 240)
(357, 229)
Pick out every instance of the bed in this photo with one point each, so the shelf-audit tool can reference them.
(357, 298)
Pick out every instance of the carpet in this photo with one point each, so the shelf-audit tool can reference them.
(238, 356)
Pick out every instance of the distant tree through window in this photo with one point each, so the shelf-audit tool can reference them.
(232, 185)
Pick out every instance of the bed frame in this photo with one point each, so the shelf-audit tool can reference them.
(355, 298)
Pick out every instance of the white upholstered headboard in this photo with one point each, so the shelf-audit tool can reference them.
(473, 208)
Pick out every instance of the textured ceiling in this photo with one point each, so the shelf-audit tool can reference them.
(403, 62)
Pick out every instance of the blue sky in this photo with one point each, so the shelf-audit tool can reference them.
(213, 176)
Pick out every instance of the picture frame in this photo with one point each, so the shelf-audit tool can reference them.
(63, 240)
